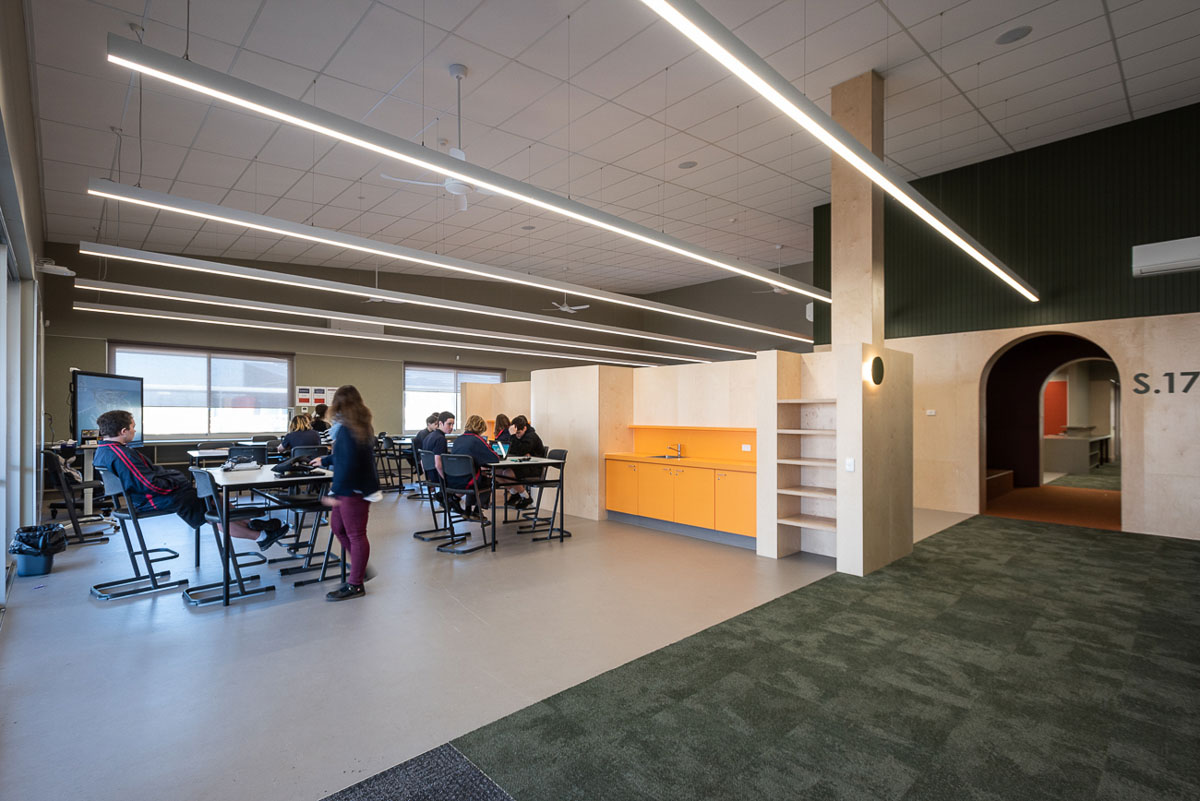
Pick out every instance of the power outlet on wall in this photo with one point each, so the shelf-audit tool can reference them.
(746, 447)
(931, 412)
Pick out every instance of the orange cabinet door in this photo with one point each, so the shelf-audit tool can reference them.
(621, 486)
(735, 503)
(694, 496)
(656, 491)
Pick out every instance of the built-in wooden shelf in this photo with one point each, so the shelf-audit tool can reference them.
(809, 400)
(696, 428)
(810, 521)
(810, 492)
(811, 432)
(809, 462)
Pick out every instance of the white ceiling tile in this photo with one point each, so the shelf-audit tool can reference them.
(234, 133)
(382, 50)
(211, 169)
(646, 53)
(1143, 40)
(269, 73)
(511, 26)
(76, 145)
(224, 20)
(445, 14)
(506, 94)
(304, 32)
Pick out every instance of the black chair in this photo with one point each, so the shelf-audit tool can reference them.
(125, 512)
(433, 488)
(387, 464)
(72, 501)
(547, 481)
(461, 466)
(303, 500)
(206, 489)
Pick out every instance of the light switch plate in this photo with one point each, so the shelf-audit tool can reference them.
(746, 447)
(931, 412)
(850, 465)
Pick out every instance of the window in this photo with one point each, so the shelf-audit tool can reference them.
(436, 389)
(202, 393)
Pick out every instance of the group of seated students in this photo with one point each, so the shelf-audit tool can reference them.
(514, 438)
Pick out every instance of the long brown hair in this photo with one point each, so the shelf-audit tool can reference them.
(502, 424)
(348, 408)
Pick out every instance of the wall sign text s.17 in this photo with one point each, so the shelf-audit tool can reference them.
(1182, 384)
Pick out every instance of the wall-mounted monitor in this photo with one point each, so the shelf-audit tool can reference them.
(93, 394)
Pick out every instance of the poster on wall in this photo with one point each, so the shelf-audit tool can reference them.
(303, 396)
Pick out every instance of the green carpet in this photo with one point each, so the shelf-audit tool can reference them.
(1002, 660)
(1104, 477)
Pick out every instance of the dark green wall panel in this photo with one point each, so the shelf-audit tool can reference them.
(1063, 215)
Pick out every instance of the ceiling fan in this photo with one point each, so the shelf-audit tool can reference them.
(565, 306)
(453, 186)
(778, 290)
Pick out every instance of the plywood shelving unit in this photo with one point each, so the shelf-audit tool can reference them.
(806, 463)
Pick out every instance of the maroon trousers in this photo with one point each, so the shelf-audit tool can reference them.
(349, 523)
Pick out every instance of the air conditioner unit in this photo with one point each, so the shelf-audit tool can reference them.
(1161, 258)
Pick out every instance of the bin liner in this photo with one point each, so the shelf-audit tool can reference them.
(43, 540)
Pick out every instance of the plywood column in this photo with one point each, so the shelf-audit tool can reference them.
(874, 421)
(857, 219)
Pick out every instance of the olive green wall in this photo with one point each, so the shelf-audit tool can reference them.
(1064, 216)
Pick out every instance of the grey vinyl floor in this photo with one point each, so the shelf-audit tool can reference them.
(290, 697)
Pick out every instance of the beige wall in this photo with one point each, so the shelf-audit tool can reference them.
(717, 394)
(1160, 465)
(381, 382)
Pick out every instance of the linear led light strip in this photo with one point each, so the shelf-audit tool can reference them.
(719, 42)
(305, 329)
(300, 311)
(191, 75)
(305, 282)
(102, 187)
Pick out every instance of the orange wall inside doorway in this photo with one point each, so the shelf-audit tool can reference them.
(1054, 411)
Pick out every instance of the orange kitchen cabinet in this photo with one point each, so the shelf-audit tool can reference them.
(693, 496)
(621, 486)
(735, 502)
(656, 491)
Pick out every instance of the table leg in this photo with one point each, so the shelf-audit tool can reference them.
(227, 545)
(87, 477)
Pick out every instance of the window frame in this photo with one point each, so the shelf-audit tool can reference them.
(208, 354)
(453, 368)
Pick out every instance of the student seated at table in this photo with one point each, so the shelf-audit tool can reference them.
(500, 433)
(436, 443)
(418, 440)
(474, 445)
(319, 423)
(525, 442)
(300, 434)
(152, 488)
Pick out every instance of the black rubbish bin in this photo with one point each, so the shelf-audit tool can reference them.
(35, 546)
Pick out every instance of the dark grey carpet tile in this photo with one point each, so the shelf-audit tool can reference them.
(1104, 477)
(437, 775)
(1002, 660)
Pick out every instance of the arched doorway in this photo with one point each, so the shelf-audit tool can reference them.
(1049, 451)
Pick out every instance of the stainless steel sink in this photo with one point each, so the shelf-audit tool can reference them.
(667, 456)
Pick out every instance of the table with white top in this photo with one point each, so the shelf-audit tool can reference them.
(231, 481)
(558, 513)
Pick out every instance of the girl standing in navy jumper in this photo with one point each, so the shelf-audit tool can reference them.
(355, 484)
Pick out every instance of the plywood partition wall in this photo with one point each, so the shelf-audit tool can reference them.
(587, 411)
(717, 394)
(1160, 466)
(487, 400)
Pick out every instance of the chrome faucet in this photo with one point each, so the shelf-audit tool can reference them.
(678, 450)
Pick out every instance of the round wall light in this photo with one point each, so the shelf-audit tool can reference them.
(877, 371)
